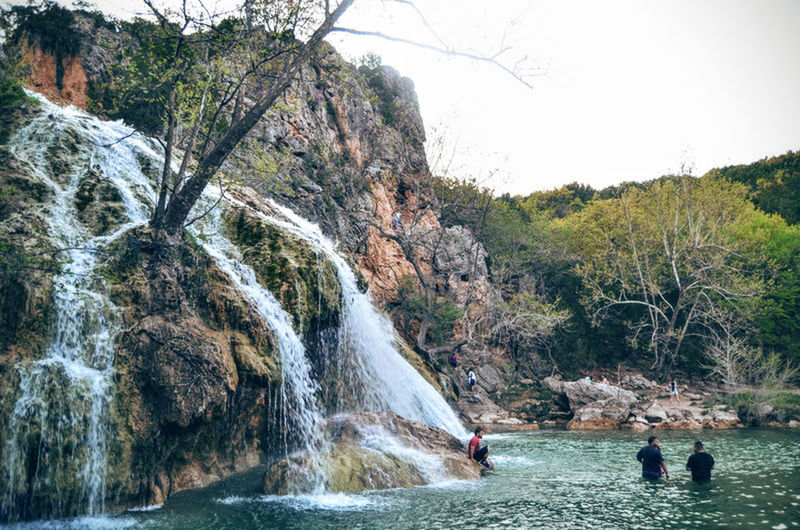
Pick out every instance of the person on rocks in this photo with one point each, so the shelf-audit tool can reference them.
(471, 380)
(454, 360)
(476, 452)
(673, 392)
(700, 464)
(652, 460)
(397, 221)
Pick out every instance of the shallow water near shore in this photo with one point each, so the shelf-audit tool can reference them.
(545, 479)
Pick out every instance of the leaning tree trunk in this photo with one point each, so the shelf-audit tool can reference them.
(182, 202)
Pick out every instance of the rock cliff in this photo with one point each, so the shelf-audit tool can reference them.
(197, 374)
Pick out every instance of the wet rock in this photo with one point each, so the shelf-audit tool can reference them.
(99, 204)
(369, 451)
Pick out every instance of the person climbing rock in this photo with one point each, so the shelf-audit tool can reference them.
(471, 379)
(397, 221)
(652, 460)
(476, 452)
(454, 360)
(700, 463)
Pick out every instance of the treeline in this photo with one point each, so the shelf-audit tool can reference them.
(655, 275)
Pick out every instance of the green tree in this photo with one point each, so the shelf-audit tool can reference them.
(667, 257)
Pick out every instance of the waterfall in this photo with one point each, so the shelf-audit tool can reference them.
(58, 427)
(64, 397)
(371, 368)
(298, 388)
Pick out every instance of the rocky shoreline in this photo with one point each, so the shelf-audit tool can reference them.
(637, 404)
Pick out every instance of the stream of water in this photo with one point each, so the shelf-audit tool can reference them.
(545, 479)
(64, 397)
(377, 377)
(58, 428)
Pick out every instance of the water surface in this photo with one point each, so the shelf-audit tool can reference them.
(546, 479)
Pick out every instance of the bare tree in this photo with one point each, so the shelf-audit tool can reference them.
(669, 251)
(221, 77)
(742, 370)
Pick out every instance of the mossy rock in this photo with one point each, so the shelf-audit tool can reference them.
(303, 280)
(62, 154)
(99, 203)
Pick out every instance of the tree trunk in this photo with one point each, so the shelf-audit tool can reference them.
(184, 199)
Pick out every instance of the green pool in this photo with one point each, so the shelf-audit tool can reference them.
(546, 479)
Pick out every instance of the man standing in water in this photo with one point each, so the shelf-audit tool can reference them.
(652, 460)
(700, 464)
(476, 452)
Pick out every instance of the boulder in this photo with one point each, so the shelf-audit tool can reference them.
(606, 414)
(489, 379)
(636, 382)
(582, 392)
(677, 424)
(655, 414)
(721, 419)
(368, 451)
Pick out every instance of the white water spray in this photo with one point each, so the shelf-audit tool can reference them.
(371, 366)
(64, 397)
(298, 390)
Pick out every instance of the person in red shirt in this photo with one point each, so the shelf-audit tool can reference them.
(476, 452)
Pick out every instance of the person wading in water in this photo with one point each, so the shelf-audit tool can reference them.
(700, 464)
(476, 452)
(652, 460)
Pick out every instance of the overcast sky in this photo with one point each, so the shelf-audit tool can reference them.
(627, 89)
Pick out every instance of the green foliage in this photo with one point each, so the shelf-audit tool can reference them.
(555, 238)
(777, 323)
(774, 183)
(382, 96)
(370, 61)
(443, 316)
(11, 93)
(146, 74)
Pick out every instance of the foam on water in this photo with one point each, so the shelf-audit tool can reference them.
(322, 501)
(94, 522)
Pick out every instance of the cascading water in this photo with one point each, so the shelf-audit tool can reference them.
(57, 429)
(299, 390)
(378, 377)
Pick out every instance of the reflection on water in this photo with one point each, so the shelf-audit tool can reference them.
(546, 479)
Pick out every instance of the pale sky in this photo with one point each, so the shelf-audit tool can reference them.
(627, 89)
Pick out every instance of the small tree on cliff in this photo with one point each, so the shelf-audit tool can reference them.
(208, 80)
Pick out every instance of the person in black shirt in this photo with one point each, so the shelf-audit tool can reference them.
(700, 464)
(652, 460)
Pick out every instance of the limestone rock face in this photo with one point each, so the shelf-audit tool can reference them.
(722, 419)
(378, 451)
